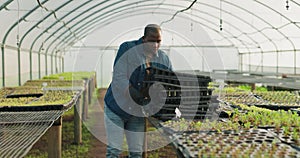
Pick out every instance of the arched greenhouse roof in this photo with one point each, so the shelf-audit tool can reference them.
(263, 33)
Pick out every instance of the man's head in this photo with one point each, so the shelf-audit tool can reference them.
(152, 38)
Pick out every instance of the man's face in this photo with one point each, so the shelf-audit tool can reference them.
(152, 42)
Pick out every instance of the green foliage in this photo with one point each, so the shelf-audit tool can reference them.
(261, 89)
(71, 75)
(245, 87)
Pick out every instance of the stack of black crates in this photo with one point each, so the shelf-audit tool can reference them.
(187, 92)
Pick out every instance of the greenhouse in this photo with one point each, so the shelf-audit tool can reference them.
(149, 78)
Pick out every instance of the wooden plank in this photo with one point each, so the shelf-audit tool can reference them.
(55, 139)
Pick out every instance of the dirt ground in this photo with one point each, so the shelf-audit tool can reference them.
(98, 149)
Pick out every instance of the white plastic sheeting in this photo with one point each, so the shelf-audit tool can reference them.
(264, 33)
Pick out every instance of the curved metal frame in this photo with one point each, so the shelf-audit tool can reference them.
(263, 34)
(234, 37)
(19, 45)
(207, 13)
(5, 4)
(48, 28)
(99, 18)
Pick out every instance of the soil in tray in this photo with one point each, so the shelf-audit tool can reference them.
(253, 143)
(287, 138)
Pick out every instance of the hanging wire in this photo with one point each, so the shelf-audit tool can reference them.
(18, 27)
(179, 11)
(287, 5)
(221, 21)
(191, 20)
(64, 24)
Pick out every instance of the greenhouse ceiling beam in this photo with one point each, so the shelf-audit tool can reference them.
(295, 57)
(84, 18)
(66, 23)
(4, 6)
(56, 47)
(243, 21)
(275, 46)
(264, 36)
(72, 33)
(87, 27)
(233, 26)
(274, 51)
(34, 27)
(258, 17)
(295, 2)
(163, 46)
(16, 48)
(124, 16)
(269, 24)
(255, 28)
(139, 6)
(250, 25)
(52, 25)
(94, 13)
(82, 13)
(17, 23)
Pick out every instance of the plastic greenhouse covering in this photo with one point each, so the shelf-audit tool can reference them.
(41, 37)
(233, 91)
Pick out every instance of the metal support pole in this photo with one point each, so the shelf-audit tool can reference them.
(30, 64)
(52, 64)
(3, 66)
(46, 64)
(39, 64)
(19, 65)
(62, 64)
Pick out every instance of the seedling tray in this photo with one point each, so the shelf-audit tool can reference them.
(171, 86)
(37, 95)
(38, 107)
(285, 138)
(165, 117)
(31, 108)
(277, 107)
(249, 143)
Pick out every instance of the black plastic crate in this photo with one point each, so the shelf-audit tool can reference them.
(278, 107)
(24, 95)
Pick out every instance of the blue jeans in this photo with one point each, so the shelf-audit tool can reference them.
(116, 127)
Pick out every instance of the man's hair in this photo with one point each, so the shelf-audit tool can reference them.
(151, 28)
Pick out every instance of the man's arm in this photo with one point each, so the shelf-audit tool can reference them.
(121, 84)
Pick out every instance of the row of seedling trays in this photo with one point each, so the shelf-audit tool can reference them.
(243, 143)
(249, 132)
(33, 96)
(262, 99)
(228, 139)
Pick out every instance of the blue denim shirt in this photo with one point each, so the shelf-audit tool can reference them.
(129, 70)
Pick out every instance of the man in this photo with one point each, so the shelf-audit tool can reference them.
(124, 99)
